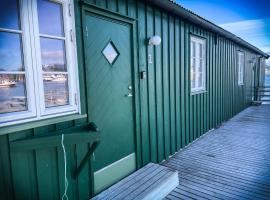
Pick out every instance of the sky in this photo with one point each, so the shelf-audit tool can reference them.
(11, 46)
(248, 19)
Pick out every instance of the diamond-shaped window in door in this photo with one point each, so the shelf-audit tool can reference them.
(110, 52)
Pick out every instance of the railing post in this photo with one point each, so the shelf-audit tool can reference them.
(256, 93)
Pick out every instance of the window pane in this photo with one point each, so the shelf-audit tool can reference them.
(200, 80)
(50, 18)
(200, 50)
(12, 93)
(200, 69)
(193, 80)
(242, 61)
(9, 14)
(53, 55)
(193, 72)
(55, 89)
(110, 52)
(193, 47)
(10, 52)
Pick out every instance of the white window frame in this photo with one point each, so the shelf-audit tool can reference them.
(33, 70)
(202, 41)
(27, 62)
(241, 67)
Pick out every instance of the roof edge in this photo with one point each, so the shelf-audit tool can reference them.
(196, 19)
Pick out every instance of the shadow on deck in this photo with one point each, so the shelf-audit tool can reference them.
(231, 162)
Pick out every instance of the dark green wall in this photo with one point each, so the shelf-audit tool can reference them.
(170, 117)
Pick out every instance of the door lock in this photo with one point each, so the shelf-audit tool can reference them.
(129, 91)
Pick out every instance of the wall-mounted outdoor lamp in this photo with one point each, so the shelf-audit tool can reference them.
(154, 40)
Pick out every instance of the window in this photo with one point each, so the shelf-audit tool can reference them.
(38, 74)
(241, 63)
(197, 64)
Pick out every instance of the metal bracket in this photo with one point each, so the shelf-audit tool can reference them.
(93, 127)
(85, 159)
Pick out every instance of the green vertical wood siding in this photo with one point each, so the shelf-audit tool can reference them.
(169, 116)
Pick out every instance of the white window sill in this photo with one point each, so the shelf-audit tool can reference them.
(194, 92)
(34, 123)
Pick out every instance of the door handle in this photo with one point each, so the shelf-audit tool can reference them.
(129, 95)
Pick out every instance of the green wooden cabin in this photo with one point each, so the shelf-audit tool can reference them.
(93, 71)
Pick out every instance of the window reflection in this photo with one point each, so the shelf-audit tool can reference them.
(12, 93)
(200, 80)
(10, 52)
(52, 55)
(197, 59)
(50, 18)
(193, 79)
(193, 46)
(53, 58)
(12, 78)
(110, 52)
(9, 14)
(56, 90)
(201, 50)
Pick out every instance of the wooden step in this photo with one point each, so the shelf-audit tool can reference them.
(151, 182)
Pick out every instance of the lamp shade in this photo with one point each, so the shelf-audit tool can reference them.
(155, 40)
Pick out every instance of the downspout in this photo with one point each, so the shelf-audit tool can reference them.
(258, 78)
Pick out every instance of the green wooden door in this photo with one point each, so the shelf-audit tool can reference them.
(110, 96)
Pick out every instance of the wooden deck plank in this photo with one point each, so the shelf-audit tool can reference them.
(133, 192)
(221, 173)
(151, 181)
(201, 195)
(174, 196)
(188, 194)
(128, 181)
(231, 162)
(251, 189)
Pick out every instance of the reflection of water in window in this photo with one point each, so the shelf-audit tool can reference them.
(12, 78)
(53, 54)
(56, 90)
(12, 97)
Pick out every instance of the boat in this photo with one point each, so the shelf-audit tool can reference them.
(59, 78)
(6, 83)
(47, 78)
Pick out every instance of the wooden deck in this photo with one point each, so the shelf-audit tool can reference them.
(153, 181)
(231, 162)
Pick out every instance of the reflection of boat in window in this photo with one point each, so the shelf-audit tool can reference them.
(59, 78)
(6, 83)
(47, 78)
(54, 78)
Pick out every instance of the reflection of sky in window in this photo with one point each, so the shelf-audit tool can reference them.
(50, 18)
(10, 52)
(52, 51)
(8, 14)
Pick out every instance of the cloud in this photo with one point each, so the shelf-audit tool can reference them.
(52, 54)
(257, 32)
(248, 24)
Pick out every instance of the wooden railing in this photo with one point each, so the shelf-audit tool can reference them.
(262, 93)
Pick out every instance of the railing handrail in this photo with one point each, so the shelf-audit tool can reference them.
(263, 86)
(260, 93)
